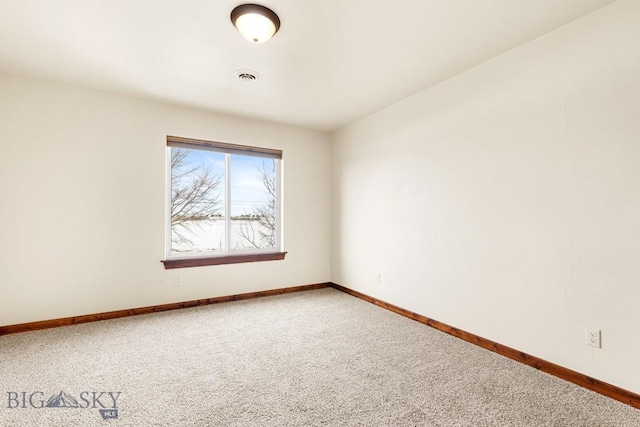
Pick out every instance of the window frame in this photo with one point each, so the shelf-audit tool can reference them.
(227, 256)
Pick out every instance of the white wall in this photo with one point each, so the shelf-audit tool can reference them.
(506, 200)
(82, 177)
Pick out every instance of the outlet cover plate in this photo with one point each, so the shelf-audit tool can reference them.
(593, 337)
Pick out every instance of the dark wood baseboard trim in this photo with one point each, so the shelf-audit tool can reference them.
(67, 321)
(566, 374)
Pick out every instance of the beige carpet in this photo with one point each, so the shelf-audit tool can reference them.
(317, 358)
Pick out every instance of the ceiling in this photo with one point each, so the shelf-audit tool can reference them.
(331, 63)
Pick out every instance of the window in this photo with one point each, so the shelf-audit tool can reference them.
(223, 203)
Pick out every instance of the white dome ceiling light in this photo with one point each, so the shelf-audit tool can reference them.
(256, 23)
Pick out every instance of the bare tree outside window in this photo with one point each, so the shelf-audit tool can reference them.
(195, 195)
(258, 230)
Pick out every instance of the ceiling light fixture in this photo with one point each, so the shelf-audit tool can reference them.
(256, 23)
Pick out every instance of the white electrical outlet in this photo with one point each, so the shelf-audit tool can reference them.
(379, 278)
(593, 338)
(177, 281)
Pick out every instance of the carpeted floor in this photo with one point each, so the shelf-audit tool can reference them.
(316, 358)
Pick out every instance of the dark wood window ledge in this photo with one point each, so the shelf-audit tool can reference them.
(218, 260)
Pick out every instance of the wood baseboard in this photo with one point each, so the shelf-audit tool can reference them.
(566, 374)
(67, 321)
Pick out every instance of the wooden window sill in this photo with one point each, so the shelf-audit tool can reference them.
(219, 260)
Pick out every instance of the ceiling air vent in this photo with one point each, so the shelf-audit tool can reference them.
(247, 76)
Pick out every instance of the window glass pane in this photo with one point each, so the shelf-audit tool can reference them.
(252, 202)
(197, 201)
